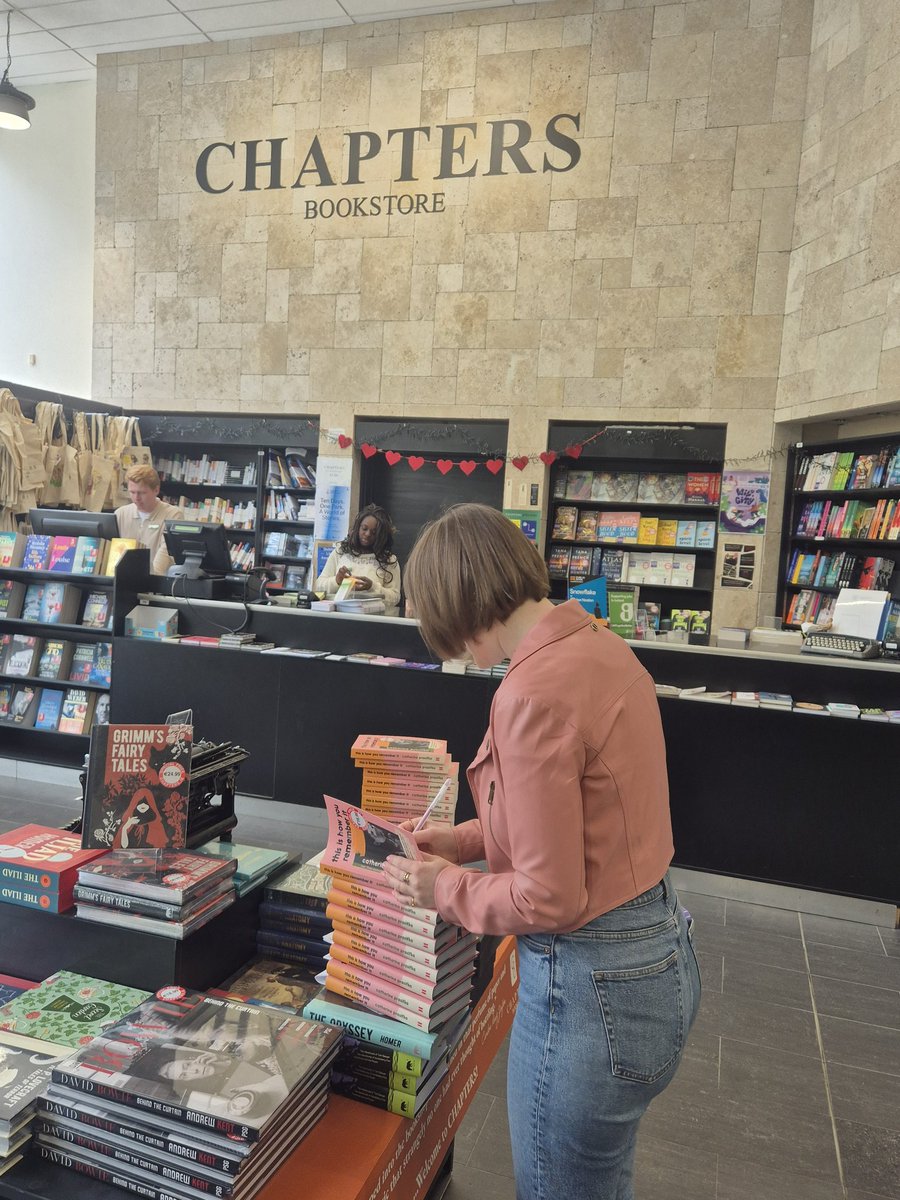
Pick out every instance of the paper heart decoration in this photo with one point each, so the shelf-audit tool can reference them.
(467, 466)
(444, 465)
(344, 441)
(521, 462)
(392, 457)
(574, 451)
(415, 461)
(548, 457)
(368, 450)
(494, 465)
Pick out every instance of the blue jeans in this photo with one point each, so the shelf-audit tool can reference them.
(601, 1023)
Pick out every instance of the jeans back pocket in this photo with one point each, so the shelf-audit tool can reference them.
(643, 1010)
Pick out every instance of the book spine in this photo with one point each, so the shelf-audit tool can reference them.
(410, 980)
(365, 926)
(373, 944)
(104, 1174)
(159, 1108)
(279, 916)
(374, 1027)
(386, 987)
(177, 1176)
(26, 897)
(378, 1061)
(313, 947)
(394, 965)
(271, 895)
(385, 1006)
(384, 898)
(41, 881)
(393, 913)
(228, 1164)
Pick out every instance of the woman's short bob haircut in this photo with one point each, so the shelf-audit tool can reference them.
(469, 569)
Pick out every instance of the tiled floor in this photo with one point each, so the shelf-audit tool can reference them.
(790, 1086)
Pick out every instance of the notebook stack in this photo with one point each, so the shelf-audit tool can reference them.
(191, 1095)
(402, 774)
(292, 920)
(39, 866)
(167, 892)
(40, 1027)
(254, 863)
(397, 975)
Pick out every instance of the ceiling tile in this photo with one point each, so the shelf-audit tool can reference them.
(142, 30)
(266, 12)
(60, 60)
(88, 12)
(38, 42)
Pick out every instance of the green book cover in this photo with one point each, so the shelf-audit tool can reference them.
(622, 603)
(69, 1009)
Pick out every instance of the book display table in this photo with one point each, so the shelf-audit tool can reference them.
(355, 1152)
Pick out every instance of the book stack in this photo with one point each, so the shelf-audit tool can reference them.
(405, 972)
(292, 921)
(402, 774)
(167, 892)
(254, 863)
(190, 1095)
(39, 867)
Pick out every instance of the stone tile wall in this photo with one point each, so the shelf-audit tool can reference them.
(647, 283)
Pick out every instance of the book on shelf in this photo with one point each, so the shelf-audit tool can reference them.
(172, 876)
(62, 554)
(683, 569)
(116, 549)
(12, 594)
(6, 695)
(558, 562)
(246, 1050)
(49, 709)
(586, 530)
(579, 484)
(97, 612)
(87, 556)
(702, 487)
(81, 662)
(623, 600)
(565, 522)
(648, 567)
(77, 711)
(19, 654)
(618, 527)
(162, 910)
(686, 533)
(580, 564)
(309, 923)
(36, 554)
(176, 928)
(305, 884)
(558, 486)
(23, 706)
(614, 564)
(648, 531)
(45, 861)
(51, 603)
(300, 468)
(661, 487)
(621, 487)
(55, 658)
(12, 549)
(667, 532)
(138, 784)
(706, 535)
(101, 664)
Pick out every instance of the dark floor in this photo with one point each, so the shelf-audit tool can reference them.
(790, 1086)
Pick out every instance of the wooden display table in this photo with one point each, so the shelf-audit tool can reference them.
(355, 1152)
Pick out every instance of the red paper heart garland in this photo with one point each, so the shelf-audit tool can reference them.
(368, 450)
(392, 457)
(415, 461)
(444, 465)
(467, 466)
(494, 465)
(548, 457)
(573, 451)
(521, 462)
(344, 441)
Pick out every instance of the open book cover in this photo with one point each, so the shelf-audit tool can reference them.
(359, 842)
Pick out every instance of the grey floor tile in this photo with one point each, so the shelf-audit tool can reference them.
(771, 985)
(492, 1151)
(741, 915)
(472, 1124)
(469, 1183)
(890, 939)
(858, 1045)
(754, 946)
(857, 966)
(857, 1001)
(776, 1025)
(667, 1171)
(871, 1158)
(865, 1097)
(739, 1180)
(763, 1075)
(826, 931)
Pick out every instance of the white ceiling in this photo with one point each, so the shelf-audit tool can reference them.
(56, 41)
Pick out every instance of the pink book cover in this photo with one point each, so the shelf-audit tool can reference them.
(374, 951)
(378, 966)
(376, 894)
(359, 842)
(383, 744)
(375, 1004)
(400, 953)
(395, 913)
(355, 922)
(386, 991)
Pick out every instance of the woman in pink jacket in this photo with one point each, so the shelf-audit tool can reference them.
(573, 820)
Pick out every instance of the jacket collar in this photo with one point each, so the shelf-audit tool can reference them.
(562, 621)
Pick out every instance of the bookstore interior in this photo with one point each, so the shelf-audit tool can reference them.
(328, 999)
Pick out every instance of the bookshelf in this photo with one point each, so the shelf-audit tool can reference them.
(639, 505)
(842, 526)
(254, 475)
(55, 659)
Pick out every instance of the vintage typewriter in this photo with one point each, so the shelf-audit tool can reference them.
(842, 644)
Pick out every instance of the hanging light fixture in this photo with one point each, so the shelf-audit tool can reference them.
(14, 105)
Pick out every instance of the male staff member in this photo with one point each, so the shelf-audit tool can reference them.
(145, 518)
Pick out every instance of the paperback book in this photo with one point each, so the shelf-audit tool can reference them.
(359, 842)
(173, 876)
(69, 1009)
(77, 710)
(138, 785)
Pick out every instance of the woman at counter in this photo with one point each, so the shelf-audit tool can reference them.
(573, 819)
(366, 553)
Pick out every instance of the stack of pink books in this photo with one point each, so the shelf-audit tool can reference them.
(401, 774)
(394, 959)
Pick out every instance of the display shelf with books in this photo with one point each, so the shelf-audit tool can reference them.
(638, 505)
(56, 635)
(251, 474)
(842, 525)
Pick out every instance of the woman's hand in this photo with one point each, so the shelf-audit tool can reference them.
(341, 574)
(413, 879)
(362, 584)
(434, 839)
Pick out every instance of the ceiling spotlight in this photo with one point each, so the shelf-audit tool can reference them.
(14, 105)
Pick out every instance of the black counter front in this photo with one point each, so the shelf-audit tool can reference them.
(792, 798)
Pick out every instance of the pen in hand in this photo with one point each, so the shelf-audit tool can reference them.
(438, 797)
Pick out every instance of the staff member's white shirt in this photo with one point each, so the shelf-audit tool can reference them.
(148, 529)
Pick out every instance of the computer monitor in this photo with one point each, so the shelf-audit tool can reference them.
(200, 549)
(73, 522)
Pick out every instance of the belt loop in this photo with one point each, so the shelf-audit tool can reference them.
(668, 891)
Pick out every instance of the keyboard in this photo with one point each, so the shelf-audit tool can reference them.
(841, 644)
